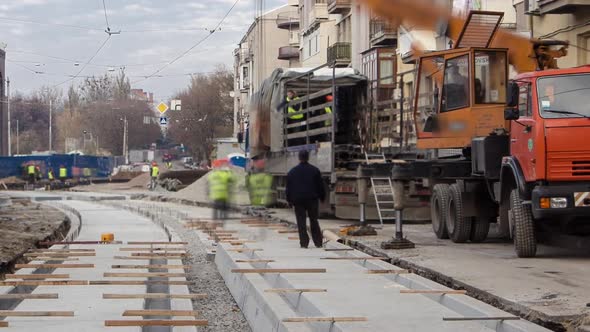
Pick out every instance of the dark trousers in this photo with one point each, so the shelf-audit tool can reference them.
(220, 209)
(302, 211)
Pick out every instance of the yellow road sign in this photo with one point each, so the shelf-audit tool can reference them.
(162, 107)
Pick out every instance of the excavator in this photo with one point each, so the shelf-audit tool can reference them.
(523, 158)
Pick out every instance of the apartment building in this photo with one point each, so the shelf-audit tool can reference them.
(558, 19)
(318, 31)
(271, 42)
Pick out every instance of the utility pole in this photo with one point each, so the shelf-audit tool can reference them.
(17, 141)
(125, 140)
(50, 126)
(8, 111)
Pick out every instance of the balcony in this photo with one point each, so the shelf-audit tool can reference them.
(288, 53)
(340, 54)
(245, 55)
(288, 21)
(318, 14)
(339, 6)
(382, 33)
(294, 38)
(562, 6)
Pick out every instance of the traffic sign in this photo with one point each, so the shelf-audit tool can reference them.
(163, 121)
(162, 107)
(176, 104)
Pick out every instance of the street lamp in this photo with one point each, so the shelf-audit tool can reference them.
(125, 139)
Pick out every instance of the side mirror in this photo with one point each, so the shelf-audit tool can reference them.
(511, 114)
(512, 92)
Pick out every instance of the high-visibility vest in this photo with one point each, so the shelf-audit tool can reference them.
(86, 172)
(63, 172)
(31, 170)
(292, 110)
(219, 184)
(260, 185)
(328, 110)
(155, 171)
(50, 175)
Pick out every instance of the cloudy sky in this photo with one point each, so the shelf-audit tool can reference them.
(50, 36)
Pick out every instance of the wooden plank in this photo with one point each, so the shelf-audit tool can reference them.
(151, 266)
(157, 322)
(287, 231)
(156, 254)
(147, 257)
(54, 243)
(461, 319)
(255, 260)
(37, 276)
(60, 259)
(293, 238)
(62, 250)
(11, 313)
(324, 319)
(54, 266)
(144, 275)
(29, 296)
(368, 258)
(432, 291)
(262, 271)
(295, 290)
(159, 243)
(388, 272)
(3, 323)
(243, 249)
(338, 249)
(58, 254)
(153, 296)
(237, 242)
(189, 313)
(153, 249)
(253, 221)
(137, 282)
(44, 283)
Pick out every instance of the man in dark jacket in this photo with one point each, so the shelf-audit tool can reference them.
(304, 188)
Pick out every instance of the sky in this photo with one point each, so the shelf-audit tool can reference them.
(153, 33)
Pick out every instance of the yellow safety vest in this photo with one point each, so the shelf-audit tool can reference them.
(219, 183)
(50, 175)
(328, 110)
(292, 110)
(63, 172)
(260, 186)
(155, 171)
(86, 172)
(31, 170)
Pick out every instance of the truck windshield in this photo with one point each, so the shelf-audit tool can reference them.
(564, 96)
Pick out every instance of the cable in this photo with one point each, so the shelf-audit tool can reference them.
(566, 29)
(25, 67)
(87, 62)
(104, 6)
(580, 47)
(47, 23)
(202, 40)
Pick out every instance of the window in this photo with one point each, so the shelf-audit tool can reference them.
(490, 78)
(524, 100)
(387, 68)
(565, 96)
(456, 84)
(245, 77)
(428, 88)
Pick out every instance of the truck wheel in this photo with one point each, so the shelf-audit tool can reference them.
(521, 217)
(479, 229)
(458, 226)
(438, 210)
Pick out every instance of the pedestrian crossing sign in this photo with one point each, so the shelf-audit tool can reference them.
(163, 121)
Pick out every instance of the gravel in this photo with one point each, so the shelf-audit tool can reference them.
(219, 308)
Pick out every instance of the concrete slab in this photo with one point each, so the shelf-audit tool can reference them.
(91, 310)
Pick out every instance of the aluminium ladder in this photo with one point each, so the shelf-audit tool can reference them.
(383, 193)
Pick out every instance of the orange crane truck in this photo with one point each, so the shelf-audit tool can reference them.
(524, 143)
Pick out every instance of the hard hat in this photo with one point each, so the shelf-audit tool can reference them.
(260, 163)
(329, 98)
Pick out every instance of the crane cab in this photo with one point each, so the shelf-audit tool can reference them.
(460, 95)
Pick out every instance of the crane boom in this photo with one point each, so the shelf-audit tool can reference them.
(523, 53)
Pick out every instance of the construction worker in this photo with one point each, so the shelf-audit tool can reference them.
(294, 118)
(169, 164)
(31, 172)
(154, 173)
(328, 109)
(220, 181)
(63, 173)
(37, 173)
(259, 184)
(50, 175)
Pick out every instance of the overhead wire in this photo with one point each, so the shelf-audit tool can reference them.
(86, 63)
(202, 40)
(106, 18)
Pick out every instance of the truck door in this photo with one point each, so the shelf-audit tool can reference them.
(522, 133)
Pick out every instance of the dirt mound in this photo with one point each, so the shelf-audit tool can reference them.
(12, 180)
(140, 181)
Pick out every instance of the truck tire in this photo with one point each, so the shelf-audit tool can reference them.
(458, 226)
(438, 210)
(479, 229)
(521, 216)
